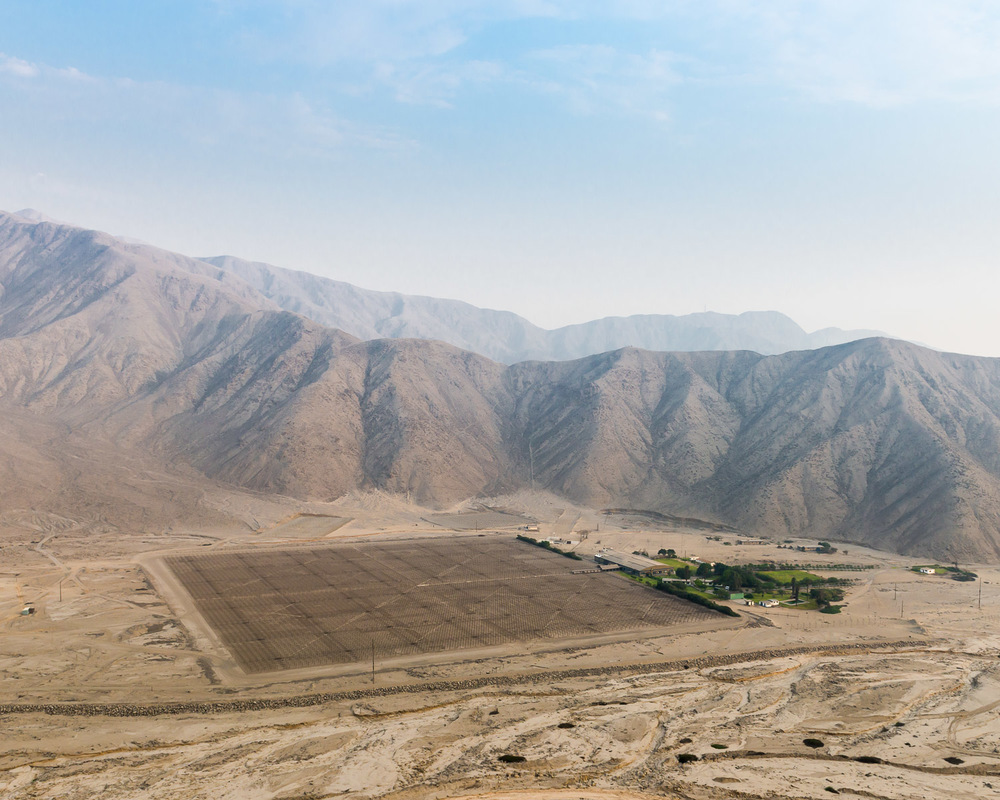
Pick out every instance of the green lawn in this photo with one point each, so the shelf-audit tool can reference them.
(938, 569)
(702, 593)
(675, 563)
(687, 588)
(758, 596)
(784, 576)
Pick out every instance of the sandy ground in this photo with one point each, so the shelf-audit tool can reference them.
(908, 674)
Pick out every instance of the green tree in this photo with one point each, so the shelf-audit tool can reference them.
(732, 578)
(825, 595)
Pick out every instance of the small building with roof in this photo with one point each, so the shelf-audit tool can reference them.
(632, 564)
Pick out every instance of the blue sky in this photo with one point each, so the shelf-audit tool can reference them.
(835, 160)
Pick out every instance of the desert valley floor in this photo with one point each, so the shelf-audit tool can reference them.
(125, 683)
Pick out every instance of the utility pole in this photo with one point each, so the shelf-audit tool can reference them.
(373, 662)
(980, 592)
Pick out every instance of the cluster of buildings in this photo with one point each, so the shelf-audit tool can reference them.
(641, 566)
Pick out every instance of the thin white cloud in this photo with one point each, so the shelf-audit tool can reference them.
(890, 52)
(874, 52)
(323, 33)
(17, 67)
(283, 125)
(73, 74)
(589, 79)
(438, 84)
(599, 78)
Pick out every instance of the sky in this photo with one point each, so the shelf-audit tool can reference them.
(835, 160)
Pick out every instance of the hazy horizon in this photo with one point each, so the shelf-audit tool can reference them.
(832, 161)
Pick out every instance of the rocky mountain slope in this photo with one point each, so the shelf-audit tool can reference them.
(508, 338)
(126, 351)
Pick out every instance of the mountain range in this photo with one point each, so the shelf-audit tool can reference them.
(508, 338)
(111, 351)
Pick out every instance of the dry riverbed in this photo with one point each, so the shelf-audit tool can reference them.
(111, 691)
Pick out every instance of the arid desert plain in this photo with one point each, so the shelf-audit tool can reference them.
(121, 685)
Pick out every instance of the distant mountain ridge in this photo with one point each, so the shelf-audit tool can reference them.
(509, 338)
(113, 354)
(503, 335)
